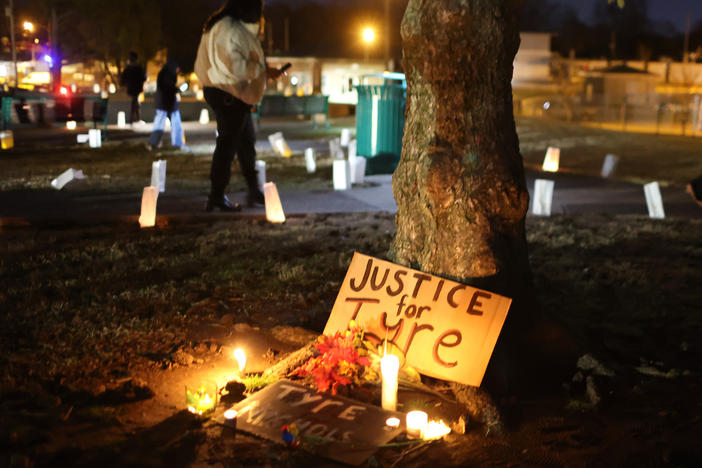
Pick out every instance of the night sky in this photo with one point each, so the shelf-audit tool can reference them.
(665, 10)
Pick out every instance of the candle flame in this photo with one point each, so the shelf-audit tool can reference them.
(230, 414)
(436, 430)
(240, 357)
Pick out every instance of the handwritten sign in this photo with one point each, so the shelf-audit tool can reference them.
(446, 329)
(348, 431)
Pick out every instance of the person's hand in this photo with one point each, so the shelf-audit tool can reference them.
(274, 73)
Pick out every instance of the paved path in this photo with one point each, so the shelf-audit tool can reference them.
(573, 194)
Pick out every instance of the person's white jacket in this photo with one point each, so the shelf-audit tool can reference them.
(230, 58)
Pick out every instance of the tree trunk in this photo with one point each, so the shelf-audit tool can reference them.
(460, 184)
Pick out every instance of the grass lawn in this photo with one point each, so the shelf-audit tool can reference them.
(101, 325)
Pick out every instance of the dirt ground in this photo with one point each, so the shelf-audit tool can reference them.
(101, 326)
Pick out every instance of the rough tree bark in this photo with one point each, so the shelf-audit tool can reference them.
(460, 184)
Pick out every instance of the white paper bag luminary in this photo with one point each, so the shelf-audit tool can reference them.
(158, 175)
(341, 174)
(7, 139)
(335, 151)
(274, 209)
(543, 197)
(148, 207)
(280, 146)
(95, 138)
(66, 177)
(654, 201)
(353, 144)
(551, 161)
(204, 117)
(121, 119)
(610, 165)
(310, 161)
(345, 137)
(358, 170)
(261, 174)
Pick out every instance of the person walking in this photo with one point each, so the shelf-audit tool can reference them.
(231, 67)
(694, 188)
(133, 77)
(167, 107)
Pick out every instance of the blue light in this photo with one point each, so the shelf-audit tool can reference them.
(48, 59)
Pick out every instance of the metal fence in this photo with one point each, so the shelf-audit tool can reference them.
(652, 113)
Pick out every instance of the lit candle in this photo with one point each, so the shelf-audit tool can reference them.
(240, 357)
(436, 430)
(389, 367)
(416, 424)
(229, 426)
(392, 422)
(200, 401)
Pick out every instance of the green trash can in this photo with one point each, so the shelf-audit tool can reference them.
(380, 121)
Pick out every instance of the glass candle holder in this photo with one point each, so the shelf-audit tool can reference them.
(201, 397)
(416, 424)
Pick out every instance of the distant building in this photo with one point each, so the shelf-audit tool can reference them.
(532, 64)
(617, 84)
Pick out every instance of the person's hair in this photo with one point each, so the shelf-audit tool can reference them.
(133, 56)
(248, 11)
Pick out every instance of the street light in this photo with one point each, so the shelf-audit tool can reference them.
(28, 26)
(368, 36)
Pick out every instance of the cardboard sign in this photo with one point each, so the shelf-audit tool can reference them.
(446, 329)
(349, 431)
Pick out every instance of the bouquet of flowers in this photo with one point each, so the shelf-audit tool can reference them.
(342, 360)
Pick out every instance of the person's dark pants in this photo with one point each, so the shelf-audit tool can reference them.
(134, 111)
(696, 186)
(235, 134)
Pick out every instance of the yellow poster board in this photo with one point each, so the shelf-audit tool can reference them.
(446, 329)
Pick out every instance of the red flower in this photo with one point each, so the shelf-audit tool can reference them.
(338, 362)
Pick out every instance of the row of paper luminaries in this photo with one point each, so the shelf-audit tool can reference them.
(149, 198)
(346, 171)
(543, 189)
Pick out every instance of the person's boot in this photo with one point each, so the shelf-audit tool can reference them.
(222, 202)
(255, 197)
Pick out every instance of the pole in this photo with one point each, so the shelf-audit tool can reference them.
(11, 14)
(54, 51)
(388, 35)
(686, 45)
(269, 34)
